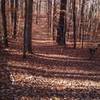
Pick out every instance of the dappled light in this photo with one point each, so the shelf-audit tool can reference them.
(49, 50)
(64, 57)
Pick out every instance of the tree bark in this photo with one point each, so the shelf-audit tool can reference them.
(28, 27)
(49, 15)
(54, 20)
(15, 19)
(74, 22)
(61, 30)
(4, 22)
(82, 22)
(12, 10)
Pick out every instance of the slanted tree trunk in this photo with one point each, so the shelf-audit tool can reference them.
(28, 27)
(61, 30)
(4, 22)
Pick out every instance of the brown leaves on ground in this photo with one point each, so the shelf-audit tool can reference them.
(50, 73)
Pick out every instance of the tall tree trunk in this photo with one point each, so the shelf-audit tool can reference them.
(61, 30)
(81, 19)
(54, 20)
(15, 19)
(38, 10)
(82, 22)
(28, 27)
(12, 10)
(74, 22)
(4, 22)
(49, 14)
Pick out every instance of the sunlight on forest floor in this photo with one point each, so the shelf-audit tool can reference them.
(52, 72)
(55, 83)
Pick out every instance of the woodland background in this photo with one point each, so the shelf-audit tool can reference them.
(49, 49)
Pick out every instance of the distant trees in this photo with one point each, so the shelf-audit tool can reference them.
(38, 9)
(68, 21)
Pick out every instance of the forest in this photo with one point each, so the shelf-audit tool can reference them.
(49, 49)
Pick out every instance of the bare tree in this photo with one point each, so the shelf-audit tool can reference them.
(61, 30)
(49, 14)
(4, 22)
(81, 34)
(54, 19)
(74, 22)
(28, 27)
(15, 18)
(38, 9)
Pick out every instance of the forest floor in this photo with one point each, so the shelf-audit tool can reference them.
(51, 73)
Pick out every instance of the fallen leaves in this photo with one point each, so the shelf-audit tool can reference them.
(37, 78)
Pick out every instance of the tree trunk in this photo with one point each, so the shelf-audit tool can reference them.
(28, 27)
(15, 19)
(82, 22)
(4, 22)
(38, 10)
(61, 30)
(49, 15)
(74, 22)
(54, 20)
(12, 10)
